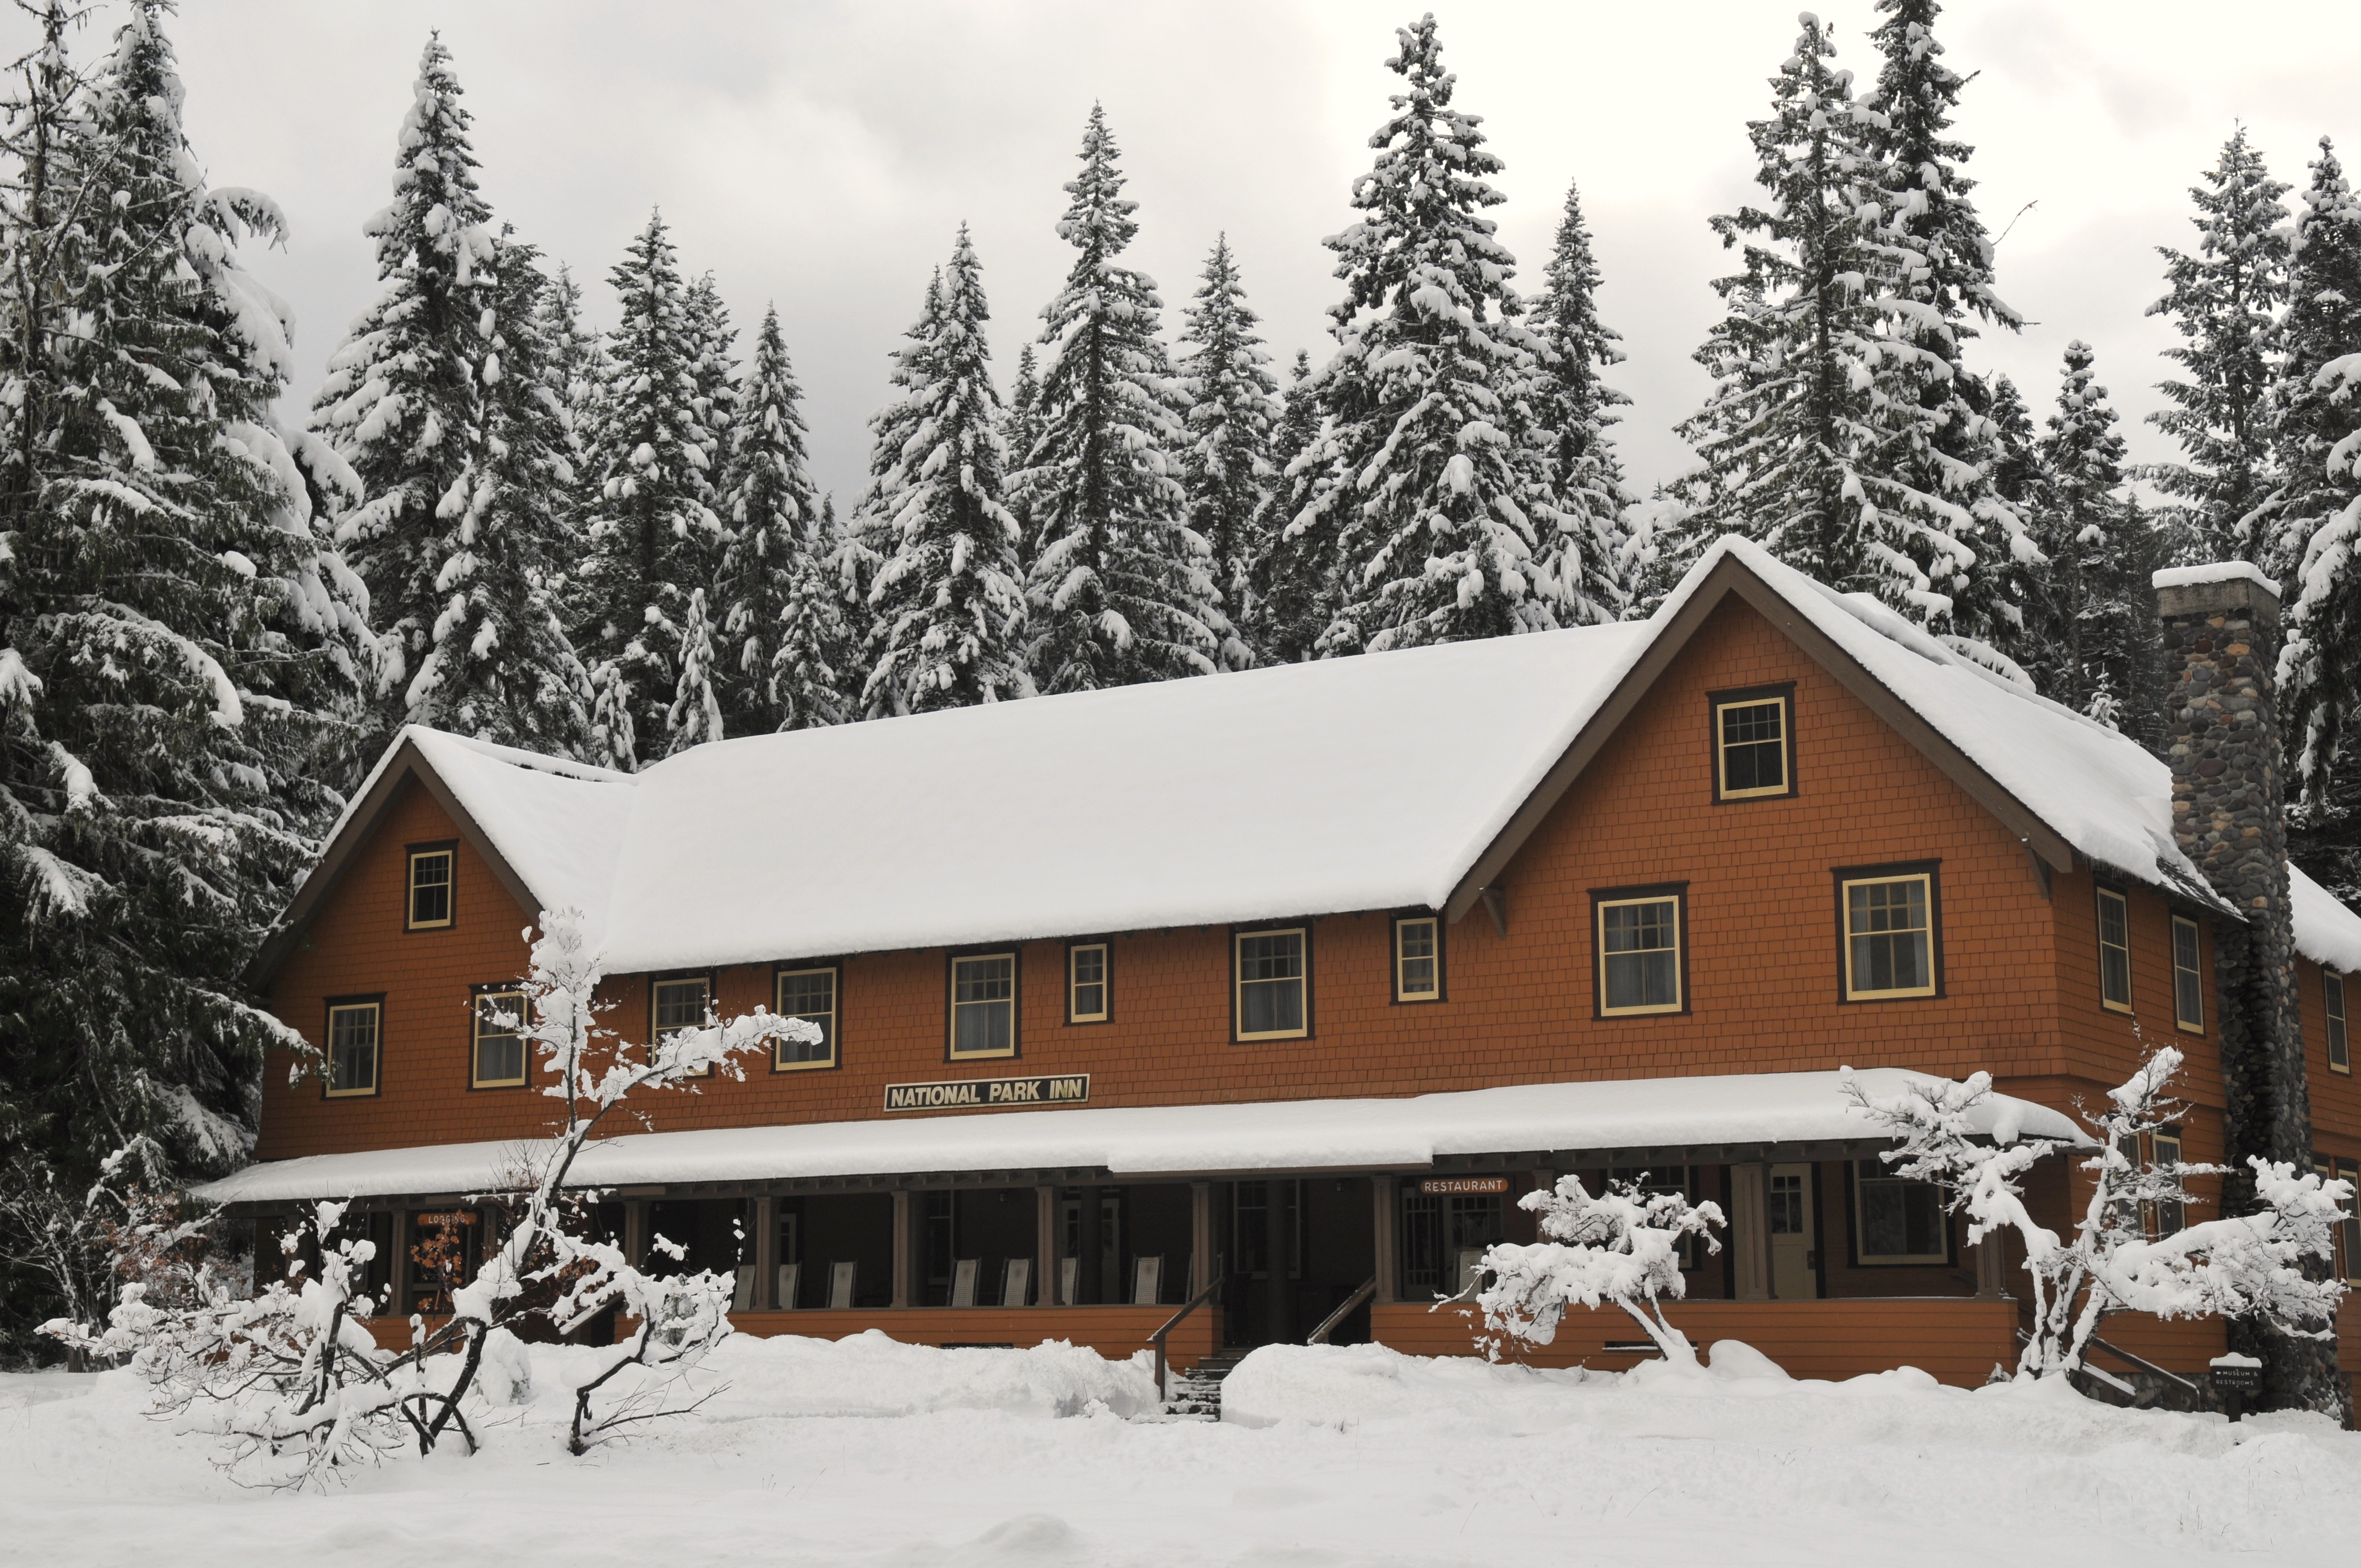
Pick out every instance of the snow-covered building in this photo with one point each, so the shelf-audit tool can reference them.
(1290, 982)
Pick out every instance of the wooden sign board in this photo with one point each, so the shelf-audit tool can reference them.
(989, 1093)
(447, 1217)
(1461, 1184)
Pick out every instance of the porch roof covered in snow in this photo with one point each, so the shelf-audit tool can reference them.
(1705, 1119)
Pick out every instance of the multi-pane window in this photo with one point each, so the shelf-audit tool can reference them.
(1418, 959)
(1898, 1219)
(353, 1048)
(983, 1005)
(2115, 951)
(2188, 977)
(1271, 971)
(2349, 1228)
(430, 889)
(1786, 1201)
(499, 1053)
(679, 1004)
(1889, 930)
(809, 994)
(2169, 1218)
(1087, 986)
(1749, 749)
(2340, 1053)
(1640, 954)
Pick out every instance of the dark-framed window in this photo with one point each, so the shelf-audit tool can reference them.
(1270, 983)
(1754, 742)
(983, 1005)
(2340, 1049)
(2115, 951)
(676, 1003)
(355, 1045)
(2348, 1230)
(812, 993)
(2188, 976)
(1418, 958)
(497, 1056)
(430, 892)
(1890, 931)
(1640, 937)
(1895, 1220)
(2166, 1218)
(1090, 983)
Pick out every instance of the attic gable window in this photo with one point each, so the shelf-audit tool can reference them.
(431, 867)
(2115, 951)
(1753, 744)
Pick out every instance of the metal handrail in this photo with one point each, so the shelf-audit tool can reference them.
(2127, 1358)
(1328, 1325)
(1157, 1339)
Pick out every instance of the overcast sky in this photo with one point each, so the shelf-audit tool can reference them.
(821, 155)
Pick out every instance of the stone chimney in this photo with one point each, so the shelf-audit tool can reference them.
(2229, 816)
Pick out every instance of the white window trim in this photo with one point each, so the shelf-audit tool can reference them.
(1434, 992)
(376, 1050)
(835, 1014)
(1105, 982)
(1854, 993)
(1680, 976)
(475, 1042)
(2100, 933)
(1786, 748)
(953, 1002)
(1302, 933)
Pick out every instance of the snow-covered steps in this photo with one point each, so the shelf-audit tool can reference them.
(1197, 1393)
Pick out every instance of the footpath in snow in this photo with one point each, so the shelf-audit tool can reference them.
(869, 1452)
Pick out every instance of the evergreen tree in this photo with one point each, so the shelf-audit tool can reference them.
(1231, 407)
(714, 371)
(614, 734)
(1571, 406)
(857, 551)
(694, 716)
(950, 611)
(497, 664)
(651, 534)
(1425, 470)
(767, 506)
(577, 367)
(2223, 301)
(1121, 590)
(1294, 578)
(1021, 430)
(2086, 626)
(846, 567)
(814, 660)
(181, 652)
(401, 402)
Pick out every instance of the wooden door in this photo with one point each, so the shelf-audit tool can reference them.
(1794, 1255)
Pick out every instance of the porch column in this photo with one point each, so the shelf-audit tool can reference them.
(400, 1308)
(902, 1246)
(1384, 1194)
(1277, 1322)
(1992, 1266)
(1750, 1230)
(1088, 1286)
(1201, 1236)
(635, 1231)
(766, 1255)
(1045, 1247)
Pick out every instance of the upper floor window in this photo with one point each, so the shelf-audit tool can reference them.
(2349, 1228)
(1892, 938)
(2340, 1053)
(808, 993)
(1271, 970)
(2115, 951)
(678, 1005)
(2166, 1218)
(1418, 958)
(2188, 977)
(983, 1005)
(1753, 748)
(1639, 943)
(353, 1029)
(1896, 1220)
(1089, 987)
(430, 887)
(498, 1058)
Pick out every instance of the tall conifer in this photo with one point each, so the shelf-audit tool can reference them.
(2086, 624)
(1294, 578)
(1231, 407)
(1571, 408)
(767, 508)
(694, 716)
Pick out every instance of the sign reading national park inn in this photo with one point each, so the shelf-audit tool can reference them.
(988, 1093)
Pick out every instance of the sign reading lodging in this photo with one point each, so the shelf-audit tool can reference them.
(1435, 1184)
(988, 1093)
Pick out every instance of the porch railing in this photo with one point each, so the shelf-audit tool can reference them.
(1328, 1325)
(1174, 1321)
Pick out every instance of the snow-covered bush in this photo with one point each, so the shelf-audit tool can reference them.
(2239, 1265)
(1622, 1246)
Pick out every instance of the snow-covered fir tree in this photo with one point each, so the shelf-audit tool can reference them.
(814, 661)
(1121, 590)
(949, 610)
(2224, 301)
(1425, 471)
(2084, 629)
(1021, 428)
(651, 534)
(1295, 577)
(498, 663)
(577, 367)
(614, 733)
(1571, 412)
(182, 652)
(767, 508)
(855, 552)
(694, 716)
(714, 370)
(1233, 405)
(846, 569)
(401, 402)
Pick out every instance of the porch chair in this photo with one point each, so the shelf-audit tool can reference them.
(1017, 1282)
(741, 1293)
(1070, 1279)
(840, 1285)
(1147, 1280)
(791, 1277)
(963, 1273)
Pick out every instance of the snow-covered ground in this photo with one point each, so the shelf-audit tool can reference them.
(871, 1453)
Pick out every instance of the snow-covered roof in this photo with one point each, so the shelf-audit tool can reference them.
(1733, 1111)
(2326, 931)
(1373, 782)
(2212, 572)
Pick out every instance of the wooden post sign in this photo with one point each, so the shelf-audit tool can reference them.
(1455, 1185)
(2234, 1377)
(989, 1093)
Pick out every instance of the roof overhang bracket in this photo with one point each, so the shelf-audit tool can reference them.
(2041, 872)
(1495, 904)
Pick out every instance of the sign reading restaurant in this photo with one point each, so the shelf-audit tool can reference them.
(983, 1093)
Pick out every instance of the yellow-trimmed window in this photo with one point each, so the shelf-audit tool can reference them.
(1088, 984)
(2188, 976)
(678, 1005)
(808, 993)
(429, 906)
(983, 1005)
(2349, 1228)
(2167, 1218)
(1888, 929)
(353, 1046)
(1273, 973)
(1750, 746)
(1418, 958)
(2340, 1049)
(2115, 951)
(1639, 954)
(498, 1061)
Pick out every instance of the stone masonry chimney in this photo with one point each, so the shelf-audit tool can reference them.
(2229, 816)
